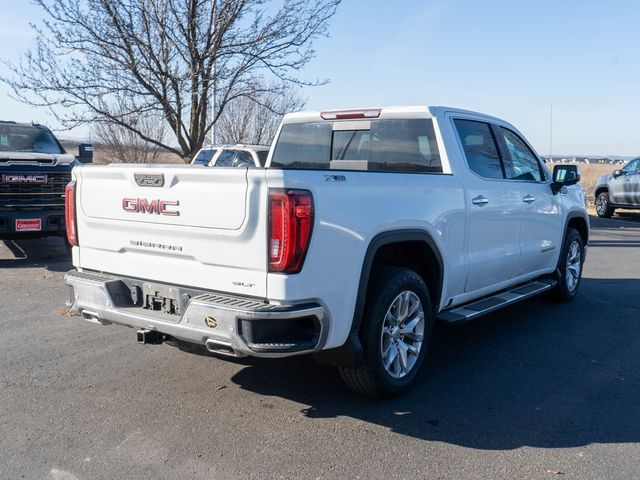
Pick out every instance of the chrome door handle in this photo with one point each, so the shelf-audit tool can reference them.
(529, 199)
(480, 200)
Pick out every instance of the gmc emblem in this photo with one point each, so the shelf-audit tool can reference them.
(155, 207)
(24, 179)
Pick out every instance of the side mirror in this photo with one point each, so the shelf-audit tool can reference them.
(85, 153)
(564, 176)
(618, 173)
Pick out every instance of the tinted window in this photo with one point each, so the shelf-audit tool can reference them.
(350, 145)
(631, 167)
(388, 145)
(243, 159)
(225, 159)
(204, 157)
(27, 138)
(522, 164)
(303, 145)
(262, 157)
(480, 148)
(404, 145)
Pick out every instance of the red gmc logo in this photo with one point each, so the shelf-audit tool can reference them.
(155, 207)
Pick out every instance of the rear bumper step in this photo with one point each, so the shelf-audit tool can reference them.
(224, 324)
(495, 302)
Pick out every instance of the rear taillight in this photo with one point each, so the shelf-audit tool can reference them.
(70, 213)
(290, 226)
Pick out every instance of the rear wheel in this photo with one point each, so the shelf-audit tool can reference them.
(603, 205)
(395, 333)
(570, 266)
(67, 245)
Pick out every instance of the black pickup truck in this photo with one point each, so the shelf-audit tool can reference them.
(34, 171)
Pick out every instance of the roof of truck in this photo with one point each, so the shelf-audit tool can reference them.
(411, 111)
(257, 148)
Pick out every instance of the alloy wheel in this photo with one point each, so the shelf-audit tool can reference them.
(574, 265)
(402, 334)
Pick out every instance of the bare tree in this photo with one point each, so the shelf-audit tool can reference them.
(120, 144)
(255, 120)
(113, 60)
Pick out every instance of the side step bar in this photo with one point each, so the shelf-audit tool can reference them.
(495, 302)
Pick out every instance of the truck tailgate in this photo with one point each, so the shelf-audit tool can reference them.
(185, 225)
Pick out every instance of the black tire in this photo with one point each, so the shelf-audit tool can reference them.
(371, 378)
(67, 245)
(565, 292)
(603, 205)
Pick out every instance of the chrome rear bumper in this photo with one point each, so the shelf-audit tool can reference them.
(224, 324)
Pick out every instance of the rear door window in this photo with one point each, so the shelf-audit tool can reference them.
(480, 148)
(395, 145)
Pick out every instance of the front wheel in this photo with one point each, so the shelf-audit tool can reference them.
(603, 206)
(570, 266)
(395, 333)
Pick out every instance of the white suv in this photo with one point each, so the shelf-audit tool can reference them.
(364, 228)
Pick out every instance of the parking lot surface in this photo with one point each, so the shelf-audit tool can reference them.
(539, 390)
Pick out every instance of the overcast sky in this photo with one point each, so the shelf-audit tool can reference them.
(506, 58)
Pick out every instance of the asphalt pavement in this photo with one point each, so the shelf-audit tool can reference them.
(539, 390)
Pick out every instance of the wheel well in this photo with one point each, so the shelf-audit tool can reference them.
(600, 190)
(416, 255)
(580, 225)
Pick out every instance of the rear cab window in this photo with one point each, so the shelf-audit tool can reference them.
(379, 145)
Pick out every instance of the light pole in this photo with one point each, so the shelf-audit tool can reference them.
(213, 105)
(214, 90)
(551, 132)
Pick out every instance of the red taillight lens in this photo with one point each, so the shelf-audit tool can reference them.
(290, 226)
(70, 213)
(351, 114)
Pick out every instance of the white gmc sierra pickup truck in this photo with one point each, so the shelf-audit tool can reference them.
(364, 228)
